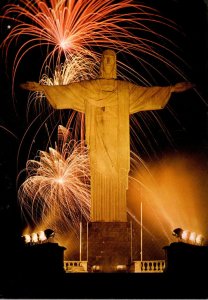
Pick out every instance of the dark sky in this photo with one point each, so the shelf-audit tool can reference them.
(190, 134)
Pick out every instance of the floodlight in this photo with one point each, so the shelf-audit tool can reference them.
(192, 237)
(27, 238)
(185, 235)
(178, 232)
(34, 237)
(96, 268)
(188, 236)
(49, 233)
(41, 236)
(199, 239)
(121, 268)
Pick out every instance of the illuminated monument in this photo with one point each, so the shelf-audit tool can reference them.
(107, 104)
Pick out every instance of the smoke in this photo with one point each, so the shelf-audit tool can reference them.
(174, 193)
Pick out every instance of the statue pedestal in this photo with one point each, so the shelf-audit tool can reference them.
(109, 246)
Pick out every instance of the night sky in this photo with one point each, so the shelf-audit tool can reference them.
(190, 133)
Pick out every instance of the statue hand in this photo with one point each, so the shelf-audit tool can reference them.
(31, 86)
(182, 86)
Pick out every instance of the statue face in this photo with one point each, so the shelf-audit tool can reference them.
(108, 65)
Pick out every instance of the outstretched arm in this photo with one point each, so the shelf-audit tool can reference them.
(61, 96)
(182, 87)
(32, 86)
(153, 98)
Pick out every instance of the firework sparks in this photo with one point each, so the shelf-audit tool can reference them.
(8, 131)
(57, 185)
(75, 68)
(64, 27)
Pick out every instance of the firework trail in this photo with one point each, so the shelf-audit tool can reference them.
(8, 131)
(75, 68)
(57, 187)
(64, 27)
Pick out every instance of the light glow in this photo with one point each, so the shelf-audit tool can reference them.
(34, 237)
(192, 237)
(185, 235)
(27, 238)
(199, 239)
(41, 236)
(59, 180)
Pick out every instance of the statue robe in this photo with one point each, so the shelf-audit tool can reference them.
(107, 104)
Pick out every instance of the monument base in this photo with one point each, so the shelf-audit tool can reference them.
(109, 246)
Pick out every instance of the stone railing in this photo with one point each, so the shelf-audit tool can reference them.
(145, 266)
(73, 266)
(148, 266)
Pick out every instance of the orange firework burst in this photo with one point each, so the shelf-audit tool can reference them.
(57, 187)
(69, 26)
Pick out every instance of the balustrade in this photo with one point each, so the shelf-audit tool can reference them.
(145, 266)
(71, 266)
(149, 266)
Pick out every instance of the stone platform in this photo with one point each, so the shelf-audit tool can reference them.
(108, 246)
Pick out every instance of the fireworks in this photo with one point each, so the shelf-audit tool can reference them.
(57, 185)
(65, 27)
(70, 34)
(75, 68)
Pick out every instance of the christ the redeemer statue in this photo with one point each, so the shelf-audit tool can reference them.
(108, 104)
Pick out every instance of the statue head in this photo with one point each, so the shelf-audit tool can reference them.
(108, 65)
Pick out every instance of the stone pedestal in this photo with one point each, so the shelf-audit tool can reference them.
(42, 259)
(109, 246)
(182, 258)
